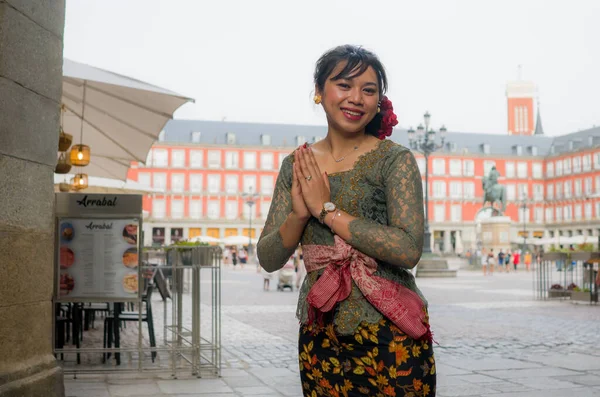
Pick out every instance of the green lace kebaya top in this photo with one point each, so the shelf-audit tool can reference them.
(384, 191)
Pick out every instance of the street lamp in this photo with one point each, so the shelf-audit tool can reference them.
(250, 200)
(523, 207)
(424, 143)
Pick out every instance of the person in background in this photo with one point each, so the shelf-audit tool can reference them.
(501, 258)
(491, 262)
(484, 261)
(234, 257)
(516, 259)
(507, 260)
(527, 260)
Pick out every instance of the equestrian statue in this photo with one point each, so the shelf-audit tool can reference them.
(494, 193)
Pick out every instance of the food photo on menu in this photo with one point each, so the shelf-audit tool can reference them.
(130, 258)
(66, 284)
(67, 257)
(130, 283)
(66, 232)
(130, 232)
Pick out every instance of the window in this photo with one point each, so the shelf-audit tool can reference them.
(559, 168)
(456, 190)
(250, 160)
(578, 188)
(549, 214)
(455, 167)
(231, 209)
(588, 210)
(300, 140)
(439, 213)
(568, 212)
(597, 161)
(587, 162)
(587, 186)
(231, 160)
(247, 210)
(158, 208)
(249, 183)
(159, 181)
(536, 170)
(597, 205)
(439, 189)
(487, 167)
(266, 184)
(576, 164)
(597, 185)
(468, 168)
(195, 209)
(559, 190)
(230, 138)
(538, 191)
(196, 183)
(214, 159)
(231, 184)
(510, 169)
(469, 190)
(550, 192)
(265, 206)
(214, 183)
(522, 170)
(439, 166)
(196, 135)
(421, 165)
(511, 192)
(485, 148)
(266, 161)
(523, 215)
(316, 139)
(518, 150)
(456, 213)
(213, 210)
(567, 189)
(558, 212)
(567, 166)
(160, 158)
(282, 157)
(578, 212)
(177, 158)
(176, 209)
(533, 150)
(196, 159)
(144, 179)
(148, 162)
(523, 192)
(265, 140)
(177, 183)
(550, 170)
(538, 215)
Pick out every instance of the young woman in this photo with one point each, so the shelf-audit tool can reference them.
(354, 201)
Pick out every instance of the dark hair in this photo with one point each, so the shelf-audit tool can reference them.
(358, 61)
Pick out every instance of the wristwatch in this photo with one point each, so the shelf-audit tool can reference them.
(327, 208)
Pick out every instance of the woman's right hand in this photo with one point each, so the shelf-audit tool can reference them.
(299, 207)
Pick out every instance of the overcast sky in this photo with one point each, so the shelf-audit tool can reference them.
(253, 60)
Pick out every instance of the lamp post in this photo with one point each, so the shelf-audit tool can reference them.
(523, 207)
(425, 143)
(250, 200)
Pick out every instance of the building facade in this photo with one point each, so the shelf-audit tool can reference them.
(207, 170)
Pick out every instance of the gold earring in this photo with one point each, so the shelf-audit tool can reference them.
(317, 99)
(378, 109)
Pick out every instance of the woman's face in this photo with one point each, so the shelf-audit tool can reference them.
(350, 104)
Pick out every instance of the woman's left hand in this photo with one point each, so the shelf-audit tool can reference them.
(315, 185)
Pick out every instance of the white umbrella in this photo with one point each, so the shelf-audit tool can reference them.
(104, 185)
(238, 240)
(122, 116)
(205, 239)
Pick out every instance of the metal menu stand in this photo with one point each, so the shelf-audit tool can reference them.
(100, 267)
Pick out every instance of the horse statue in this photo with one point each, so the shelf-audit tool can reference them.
(493, 192)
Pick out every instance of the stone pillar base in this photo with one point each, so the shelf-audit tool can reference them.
(41, 379)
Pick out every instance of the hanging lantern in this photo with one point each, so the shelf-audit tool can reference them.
(64, 187)
(80, 181)
(80, 155)
(63, 166)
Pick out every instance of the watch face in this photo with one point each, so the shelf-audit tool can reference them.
(329, 207)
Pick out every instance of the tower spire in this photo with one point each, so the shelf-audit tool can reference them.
(539, 130)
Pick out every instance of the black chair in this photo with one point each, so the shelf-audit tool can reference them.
(113, 322)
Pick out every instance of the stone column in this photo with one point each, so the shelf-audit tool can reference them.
(31, 56)
(447, 241)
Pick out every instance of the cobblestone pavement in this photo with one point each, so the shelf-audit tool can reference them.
(494, 340)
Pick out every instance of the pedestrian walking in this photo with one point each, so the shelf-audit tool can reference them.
(527, 260)
(516, 259)
(355, 202)
(491, 261)
(234, 257)
(484, 261)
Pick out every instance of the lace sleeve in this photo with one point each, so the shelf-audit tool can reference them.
(400, 242)
(272, 255)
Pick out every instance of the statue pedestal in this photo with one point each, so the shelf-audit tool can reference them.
(432, 265)
(495, 233)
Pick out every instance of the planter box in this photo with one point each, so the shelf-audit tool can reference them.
(558, 293)
(580, 296)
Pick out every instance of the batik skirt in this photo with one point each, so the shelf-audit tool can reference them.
(377, 360)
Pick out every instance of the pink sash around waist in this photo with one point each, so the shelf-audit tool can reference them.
(342, 264)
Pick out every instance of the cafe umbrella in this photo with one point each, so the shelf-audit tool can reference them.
(122, 117)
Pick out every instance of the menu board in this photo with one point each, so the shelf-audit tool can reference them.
(98, 258)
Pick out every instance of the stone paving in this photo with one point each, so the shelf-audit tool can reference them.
(494, 340)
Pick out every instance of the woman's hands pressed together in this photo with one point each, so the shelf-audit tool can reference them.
(312, 184)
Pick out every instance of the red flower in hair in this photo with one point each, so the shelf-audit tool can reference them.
(388, 118)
